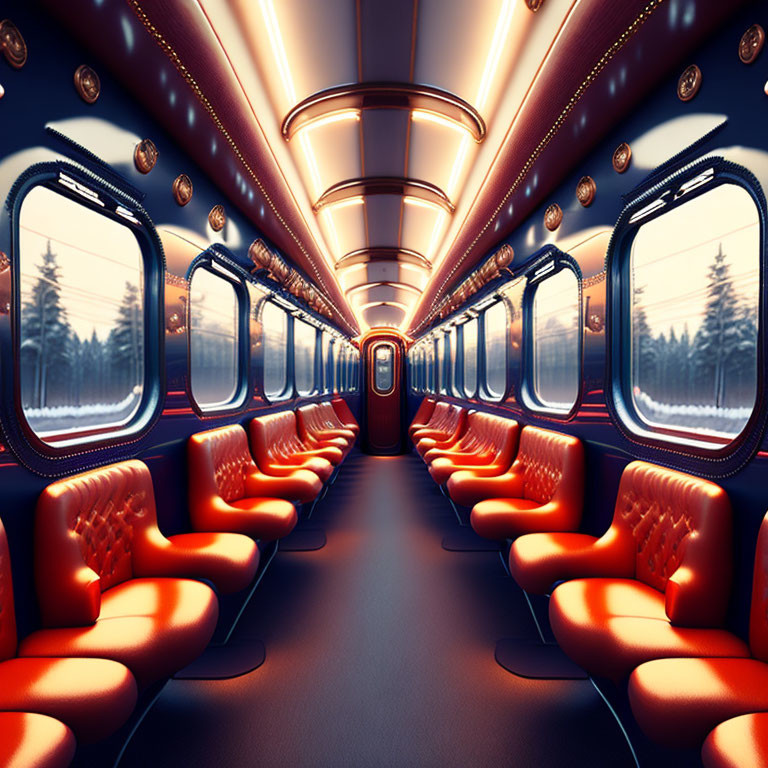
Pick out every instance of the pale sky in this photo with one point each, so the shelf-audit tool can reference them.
(96, 256)
(672, 253)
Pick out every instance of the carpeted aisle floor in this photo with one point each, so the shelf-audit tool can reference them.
(380, 653)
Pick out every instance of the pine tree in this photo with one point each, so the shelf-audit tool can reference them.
(46, 336)
(125, 345)
(721, 336)
(644, 348)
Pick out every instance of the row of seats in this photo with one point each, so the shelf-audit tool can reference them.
(122, 606)
(646, 601)
(515, 481)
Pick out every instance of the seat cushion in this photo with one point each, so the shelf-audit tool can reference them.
(320, 466)
(301, 485)
(265, 519)
(741, 742)
(678, 701)
(583, 615)
(469, 486)
(538, 560)
(153, 626)
(505, 518)
(228, 560)
(94, 697)
(30, 740)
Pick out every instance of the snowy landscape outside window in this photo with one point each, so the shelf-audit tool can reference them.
(274, 323)
(470, 358)
(440, 369)
(81, 318)
(304, 356)
(213, 340)
(694, 277)
(555, 368)
(495, 319)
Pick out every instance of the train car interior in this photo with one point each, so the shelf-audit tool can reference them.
(383, 383)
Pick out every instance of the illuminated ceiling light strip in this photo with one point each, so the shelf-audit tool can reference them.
(309, 156)
(434, 239)
(422, 116)
(495, 51)
(278, 47)
(385, 283)
(385, 95)
(458, 166)
(335, 247)
(358, 200)
(384, 185)
(335, 117)
(419, 203)
(380, 253)
(371, 304)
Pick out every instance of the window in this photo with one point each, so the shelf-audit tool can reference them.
(693, 278)
(453, 363)
(555, 345)
(274, 323)
(214, 320)
(429, 362)
(341, 367)
(351, 367)
(383, 366)
(440, 357)
(81, 318)
(495, 328)
(304, 338)
(330, 366)
(469, 342)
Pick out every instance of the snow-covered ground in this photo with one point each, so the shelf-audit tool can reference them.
(62, 418)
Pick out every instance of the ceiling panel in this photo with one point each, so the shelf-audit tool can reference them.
(383, 220)
(336, 151)
(384, 315)
(420, 225)
(430, 145)
(384, 141)
(344, 228)
(386, 34)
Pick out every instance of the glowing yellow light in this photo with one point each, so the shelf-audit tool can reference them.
(278, 47)
(332, 231)
(436, 231)
(494, 53)
(420, 115)
(334, 117)
(419, 203)
(357, 200)
(309, 156)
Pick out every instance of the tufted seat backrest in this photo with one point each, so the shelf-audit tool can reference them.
(423, 414)
(328, 416)
(681, 529)
(545, 458)
(439, 415)
(758, 619)
(274, 437)
(339, 404)
(8, 638)
(219, 461)
(87, 530)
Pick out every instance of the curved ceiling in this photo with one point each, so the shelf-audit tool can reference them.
(393, 135)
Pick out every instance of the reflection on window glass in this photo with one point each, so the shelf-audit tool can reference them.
(429, 350)
(213, 340)
(495, 319)
(304, 356)
(322, 385)
(694, 276)
(330, 366)
(81, 317)
(453, 363)
(274, 323)
(341, 367)
(556, 341)
(439, 360)
(383, 364)
(470, 357)
(351, 368)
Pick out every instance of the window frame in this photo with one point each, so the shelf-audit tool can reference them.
(99, 443)
(287, 392)
(484, 390)
(677, 189)
(233, 276)
(536, 274)
(313, 390)
(461, 339)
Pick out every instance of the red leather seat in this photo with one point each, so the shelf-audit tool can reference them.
(227, 492)
(94, 697)
(490, 450)
(543, 490)
(678, 701)
(34, 741)
(422, 416)
(345, 415)
(104, 575)
(277, 450)
(445, 428)
(314, 432)
(741, 742)
(667, 554)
